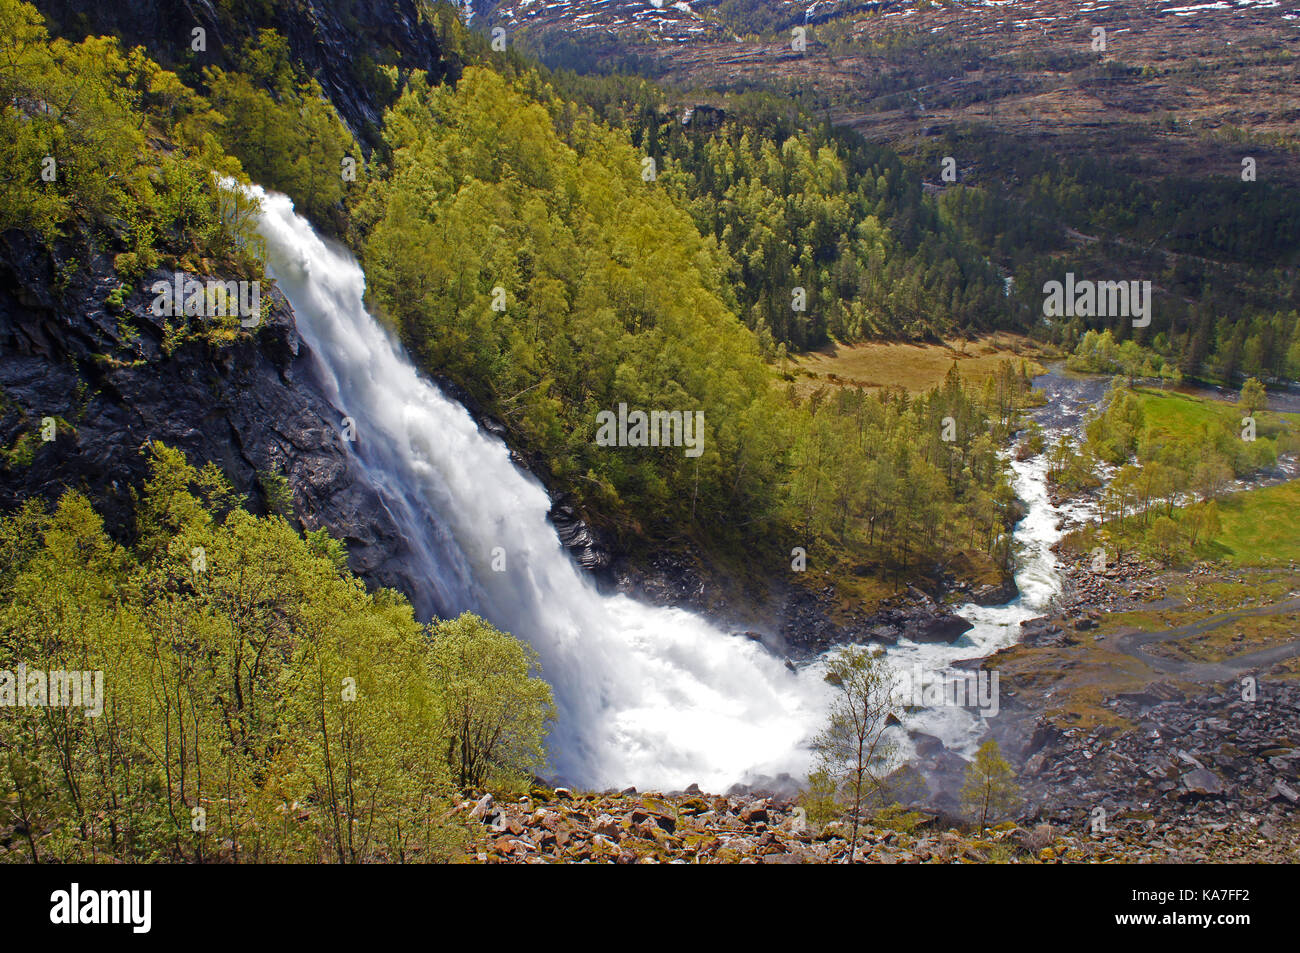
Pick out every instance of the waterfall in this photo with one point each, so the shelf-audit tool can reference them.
(654, 697)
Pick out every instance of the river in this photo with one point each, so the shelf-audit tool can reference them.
(1038, 579)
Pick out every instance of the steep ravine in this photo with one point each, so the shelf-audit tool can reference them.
(251, 407)
(268, 403)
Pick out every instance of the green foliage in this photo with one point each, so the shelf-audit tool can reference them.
(1177, 455)
(278, 493)
(1221, 257)
(797, 204)
(1098, 353)
(496, 711)
(502, 190)
(1252, 396)
(989, 791)
(853, 751)
(258, 705)
(321, 543)
(284, 131)
(1071, 466)
(820, 798)
(611, 296)
(68, 144)
(1113, 434)
(76, 121)
(876, 472)
(23, 451)
(822, 211)
(895, 817)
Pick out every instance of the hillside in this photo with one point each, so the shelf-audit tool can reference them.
(615, 446)
(1123, 161)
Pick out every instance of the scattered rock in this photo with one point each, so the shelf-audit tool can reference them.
(1202, 783)
(483, 809)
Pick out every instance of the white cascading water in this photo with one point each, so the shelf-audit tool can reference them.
(648, 696)
(1038, 577)
(654, 697)
(992, 627)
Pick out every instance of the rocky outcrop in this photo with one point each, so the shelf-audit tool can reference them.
(666, 578)
(114, 378)
(995, 594)
(920, 619)
(589, 548)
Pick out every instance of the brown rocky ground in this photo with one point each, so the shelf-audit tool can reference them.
(693, 828)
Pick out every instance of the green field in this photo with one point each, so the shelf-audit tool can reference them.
(1179, 430)
(1261, 527)
(1186, 415)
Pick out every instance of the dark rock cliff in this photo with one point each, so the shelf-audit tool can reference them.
(112, 380)
(103, 373)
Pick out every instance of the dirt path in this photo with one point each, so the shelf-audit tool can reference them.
(1134, 642)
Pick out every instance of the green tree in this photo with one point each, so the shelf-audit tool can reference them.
(853, 749)
(1203, 523)
(1211, 476)
(1253, 397)
(284, 131)
(497, 711)
(1165, 537)
(989, 790)
(258, 703)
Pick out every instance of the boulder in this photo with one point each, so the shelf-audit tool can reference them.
(1199, 783)
(936, 626)
(484, 808)
(927, 746)
(797, 822)
(1281, 791)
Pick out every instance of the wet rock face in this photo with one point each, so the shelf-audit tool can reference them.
(105, 376)
(664, 578)
(590, 549)
(113, 381)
